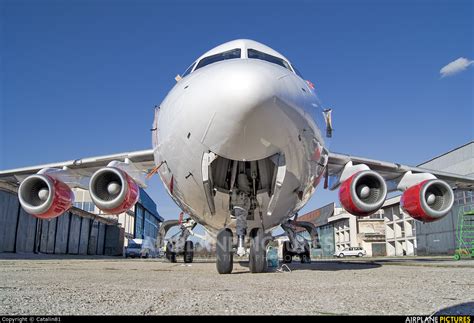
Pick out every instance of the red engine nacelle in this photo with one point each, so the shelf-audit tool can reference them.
(44, 196)
(363, 193)
(428, 201)
(113, 190)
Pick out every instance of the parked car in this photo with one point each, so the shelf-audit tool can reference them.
(141, 248)
(352, 251)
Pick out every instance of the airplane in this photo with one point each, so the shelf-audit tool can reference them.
(239, 146)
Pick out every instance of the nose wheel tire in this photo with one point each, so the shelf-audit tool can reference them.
(188, 252)
(287, 255)
(224, 253)
(258, 253)
(306, 256)
(170, 255)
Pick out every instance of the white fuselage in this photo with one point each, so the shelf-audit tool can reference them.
(241, 110)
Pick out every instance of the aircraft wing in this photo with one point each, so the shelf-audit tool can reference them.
(391, 172)
(143, 160)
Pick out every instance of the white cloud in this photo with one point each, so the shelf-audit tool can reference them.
(455, 66)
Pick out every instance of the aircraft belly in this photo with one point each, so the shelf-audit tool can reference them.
(183, 167)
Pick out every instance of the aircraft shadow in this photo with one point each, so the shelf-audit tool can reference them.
(323, 266)
(414, 260)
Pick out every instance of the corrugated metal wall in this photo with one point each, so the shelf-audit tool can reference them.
(440, 237)
(74, 232)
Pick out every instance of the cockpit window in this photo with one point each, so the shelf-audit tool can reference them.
(230, 54)
(252, 53)
(190, 68)
(298, 72)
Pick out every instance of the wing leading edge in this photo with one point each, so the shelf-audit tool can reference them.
(142, 159)
(391, 171)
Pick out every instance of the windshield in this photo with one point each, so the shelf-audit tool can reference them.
(253, 53)
(298, 72)
(133, 245)
(230, 54)
(189, 69)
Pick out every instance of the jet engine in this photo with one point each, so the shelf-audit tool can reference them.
(44, 196)
(428, 201)
(113, 191)
(363, 193)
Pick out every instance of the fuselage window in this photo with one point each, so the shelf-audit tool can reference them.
(230, 54)
(190, 68)
(252, 53)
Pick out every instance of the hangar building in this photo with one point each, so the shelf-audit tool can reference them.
(391, 231)
(82, 230)
(143, 220)
(406, 236)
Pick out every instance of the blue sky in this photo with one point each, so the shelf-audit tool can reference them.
(80, 78)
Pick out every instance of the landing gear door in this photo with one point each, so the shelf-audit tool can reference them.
(280, 173)
(207, 159)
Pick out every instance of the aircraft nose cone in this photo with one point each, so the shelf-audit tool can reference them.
(243, 109)
(244, 87)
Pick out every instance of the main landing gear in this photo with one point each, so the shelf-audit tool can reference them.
(179, 243)
(297, 245)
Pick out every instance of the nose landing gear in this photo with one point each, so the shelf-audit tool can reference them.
(242, 205)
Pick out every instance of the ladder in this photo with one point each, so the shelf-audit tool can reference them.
(465, 235)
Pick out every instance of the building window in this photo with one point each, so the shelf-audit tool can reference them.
(89, 207)
(86, 206)
(378, 215)
(389, 214)
(151, 226)
(139, 216)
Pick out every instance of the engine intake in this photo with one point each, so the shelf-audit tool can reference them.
(363, 193)
(45, 197)
(428, 201)
(113, 190)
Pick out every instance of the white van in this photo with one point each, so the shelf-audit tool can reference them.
(141, 248)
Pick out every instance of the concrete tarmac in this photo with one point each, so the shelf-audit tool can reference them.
(52, 285)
